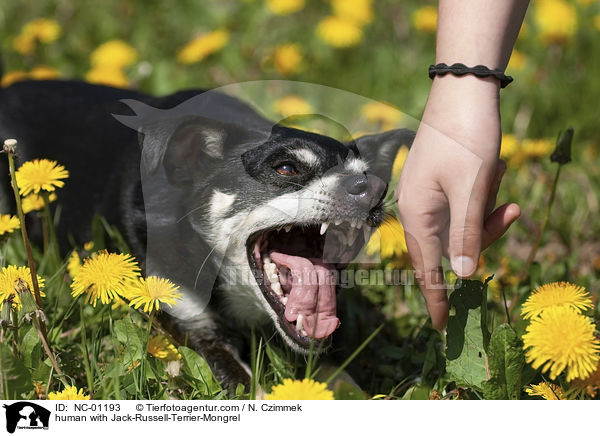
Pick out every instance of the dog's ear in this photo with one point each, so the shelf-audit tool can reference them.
(379, 150)
(184, 143)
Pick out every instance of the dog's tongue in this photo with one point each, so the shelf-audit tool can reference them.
(312, 294)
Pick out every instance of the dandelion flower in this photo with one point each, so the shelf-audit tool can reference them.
(9, 275)
(556, 20)
(160, 347)
(285, 7)
(104, 276)
(300, 390)
(548, 391)
(388, 240)
(509, 146)
(73, 264)
(556, 294)
(68, 393)
(151, 292)
(115, 54)
(339, 32)
(384, 115)
(425, 19)
(43, 72)
(399, 162)
(287, 59)
(292, 105)
(562, 339)
(107, 75)
(12, 77)
(42, 30)
(35, 202)
(8, 224)
(359, 11)
(40, 174)
(202, 46)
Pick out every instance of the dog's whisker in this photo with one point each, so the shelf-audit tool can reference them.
(189, 213)
(202, 266)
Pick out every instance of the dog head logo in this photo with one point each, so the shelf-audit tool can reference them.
(24, 414)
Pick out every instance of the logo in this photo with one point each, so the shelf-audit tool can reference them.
(26, 415)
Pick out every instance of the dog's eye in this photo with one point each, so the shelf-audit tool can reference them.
(286, 170)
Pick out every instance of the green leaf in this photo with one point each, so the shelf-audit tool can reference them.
(132, 337)
(467, 335)
(506, 360)
(14, 376)
(197, 367)
(31, 348)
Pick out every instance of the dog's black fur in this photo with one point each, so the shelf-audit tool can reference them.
(73, 123)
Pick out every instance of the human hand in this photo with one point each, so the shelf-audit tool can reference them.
(448, 186)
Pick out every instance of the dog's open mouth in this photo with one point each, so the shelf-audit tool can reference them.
(297, 268)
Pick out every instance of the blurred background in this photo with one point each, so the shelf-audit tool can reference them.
(379, 49)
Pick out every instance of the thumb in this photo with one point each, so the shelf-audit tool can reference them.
(465, 233)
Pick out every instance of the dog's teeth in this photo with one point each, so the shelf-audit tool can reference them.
(276, 287)
(287, 228)
(284, 300)
(266, 261)
(338, 222)
(299, 323)
(303, 332)
(324, 228)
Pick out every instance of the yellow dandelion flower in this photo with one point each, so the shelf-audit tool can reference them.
(73, 264)
(285, 7)
(13, 77)
(537, 148)
(425, 19)
(35, 202)
(562, 339)
(517, 61)
(589, 385)
(68, 393)
(548, 391)
(556, 294)
(160, 347)
(9, 275)
(88, 245)
(151, 292)
(287, 59)
(381, 114)
(40, 174)
(388, 240)
(43, 30)
(556, 20)
(339, 32)
(202, 46)
(43, 72)
(509, 147)
(114, 53)
(300, 390)
(399, 162)
(8, 224)
(292, 105)
(358, 11)
(104, 276)
(107, 75)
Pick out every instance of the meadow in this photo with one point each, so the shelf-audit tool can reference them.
(538, 285)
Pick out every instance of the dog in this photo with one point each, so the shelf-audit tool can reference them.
(252, 219)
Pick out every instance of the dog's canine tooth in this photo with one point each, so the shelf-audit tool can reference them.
(299, 323)
(338, 222)
(276, 287)
(324, 228)
(303, 332)
(287, 228)
(284, 300)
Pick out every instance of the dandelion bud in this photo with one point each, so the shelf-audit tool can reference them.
(10, 145)
(25, 295)
(6, 313)
(562, 152)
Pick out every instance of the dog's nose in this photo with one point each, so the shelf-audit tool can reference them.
(366, 189)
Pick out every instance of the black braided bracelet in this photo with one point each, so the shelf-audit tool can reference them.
(461, 69)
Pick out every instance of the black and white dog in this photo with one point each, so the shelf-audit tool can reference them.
(250, 218)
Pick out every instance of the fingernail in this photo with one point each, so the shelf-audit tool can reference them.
(463, 266)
